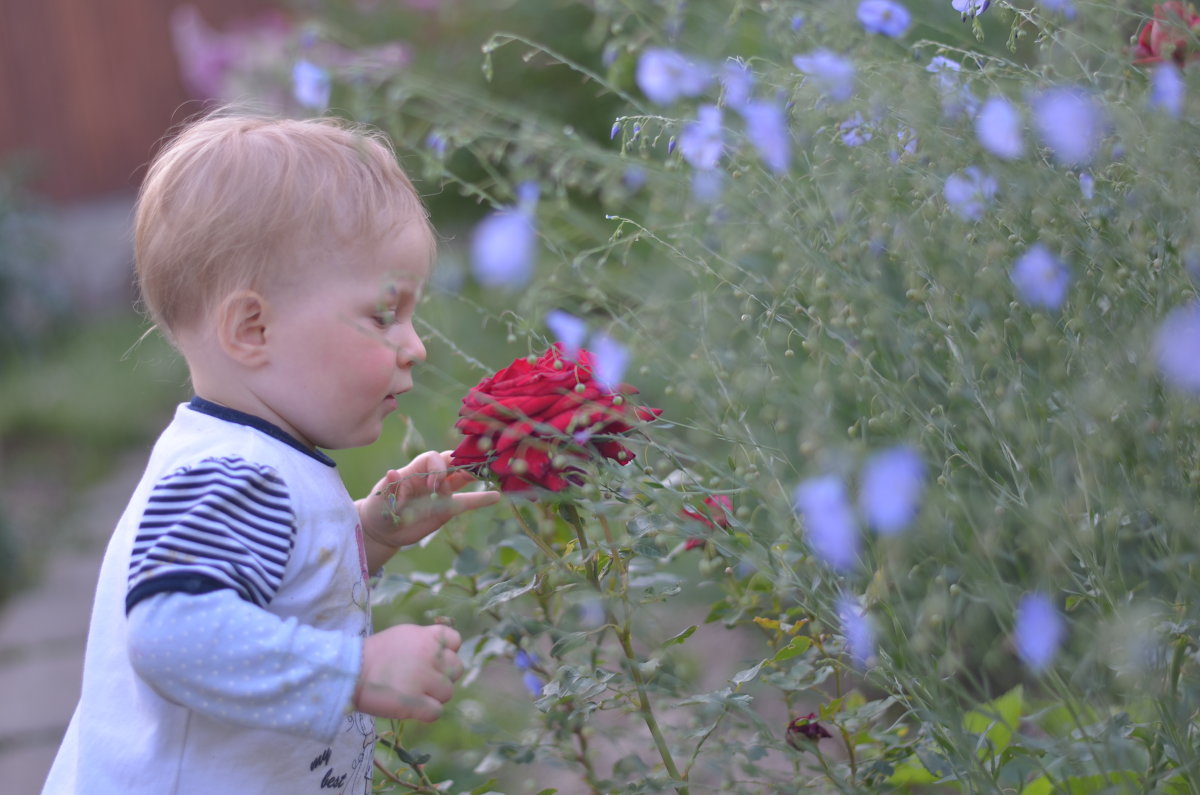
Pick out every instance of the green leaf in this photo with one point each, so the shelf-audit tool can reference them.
(506, 591)
(681, 637)
(469, 562)
(996, 721)
(568, 642)
(796, 646)
(744, 676)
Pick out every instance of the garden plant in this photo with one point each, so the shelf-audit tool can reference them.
(841, 360)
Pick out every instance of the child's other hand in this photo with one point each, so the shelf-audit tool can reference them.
(408, 672)
(410, 503)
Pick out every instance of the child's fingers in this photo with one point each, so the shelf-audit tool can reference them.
(447, 637)
(470, 500)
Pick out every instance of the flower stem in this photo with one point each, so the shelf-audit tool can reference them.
(624, 635)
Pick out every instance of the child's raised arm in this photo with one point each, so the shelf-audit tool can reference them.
(408, 504)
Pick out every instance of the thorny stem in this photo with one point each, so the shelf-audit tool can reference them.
(407, 758)
(624, 635)
(535, 538)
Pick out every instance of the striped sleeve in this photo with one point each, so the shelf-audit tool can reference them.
(223, 523)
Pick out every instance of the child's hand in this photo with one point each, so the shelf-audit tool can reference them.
(408, 671)
(410, 503)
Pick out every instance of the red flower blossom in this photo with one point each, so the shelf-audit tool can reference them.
(1169, 35)
(533, 423)
(715, 514)
(804, 730)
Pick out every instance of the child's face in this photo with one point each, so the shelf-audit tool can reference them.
(342, 346)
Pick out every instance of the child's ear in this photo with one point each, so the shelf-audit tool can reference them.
(242, 327)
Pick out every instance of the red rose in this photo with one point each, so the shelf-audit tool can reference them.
(1169, 35)
(533, 423)
(715, 514)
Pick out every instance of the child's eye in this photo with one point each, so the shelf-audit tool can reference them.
(385, 318)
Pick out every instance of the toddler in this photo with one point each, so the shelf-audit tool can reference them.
(230, 647)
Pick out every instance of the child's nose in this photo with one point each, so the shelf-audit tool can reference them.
(411, 349)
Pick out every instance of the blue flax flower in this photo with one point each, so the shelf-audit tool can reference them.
(832, 72)
(857, 629)
(998, 128)
(766, 127)
(1087, 185)
(568, 329)
(1041, 278)
(609, 360)
(1177, 348)
(969, 192)
(829, 520)
(957, 98)
(311, 85)
(1070, 124)
(1064, 7)
(970, 8)
(884, 16)
(702, 141)
(1167, 89)
(707, 186)
(1038, 632)
(738, 81)
(855, 131)
(665, 75)
(890, 492)
(504, 243)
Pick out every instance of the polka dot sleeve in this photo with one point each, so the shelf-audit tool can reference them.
(221, 656)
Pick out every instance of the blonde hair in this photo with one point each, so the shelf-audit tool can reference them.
(234, 200)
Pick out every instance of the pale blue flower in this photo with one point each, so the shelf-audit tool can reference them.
(957, 98)
(1167, 89)
(1039, 631)
(998, 128)
(766, 127)
(634, 178)
(884, 16)
(504, 243)
(889, 494)
(609, 360)
(857, 630)
(855, 131)
(1177, 348)
(702, 142)
(1064, 7)
(829, 521)
(969, 192)
(665, 75)
(832, 72)
(707, 186)
(524, 662)
(970, 8)
(616, 128)
(738, 81)
(797, 22)
(1087, 185)
(436, 143)
(311, 85)
(907, 138)
(567, 329)
(1041, 278)
(532, 683)
(1070, 124)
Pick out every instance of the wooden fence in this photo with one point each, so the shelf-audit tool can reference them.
(87, 88)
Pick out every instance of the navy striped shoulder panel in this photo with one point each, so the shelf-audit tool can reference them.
(222, 523)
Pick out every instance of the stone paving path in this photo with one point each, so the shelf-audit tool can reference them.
(43, 629)
(42, 635)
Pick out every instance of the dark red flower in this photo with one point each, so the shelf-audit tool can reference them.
(805, 730)
(1168, 35)
(717, 509)
(533, 423)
